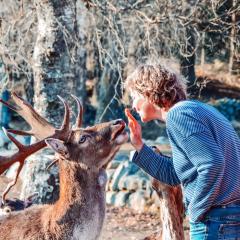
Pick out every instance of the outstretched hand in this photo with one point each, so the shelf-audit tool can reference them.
(135, 130)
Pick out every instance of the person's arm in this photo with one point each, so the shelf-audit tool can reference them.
(157, 165)
(204, 153)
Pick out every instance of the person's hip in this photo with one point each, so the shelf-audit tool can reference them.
(222, 222)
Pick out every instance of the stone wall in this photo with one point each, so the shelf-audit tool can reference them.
(129, 186)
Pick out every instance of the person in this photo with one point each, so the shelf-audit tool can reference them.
(205, 150)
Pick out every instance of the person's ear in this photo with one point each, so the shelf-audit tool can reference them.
(58, 146)
(167, 105)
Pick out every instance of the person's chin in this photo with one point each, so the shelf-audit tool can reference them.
(144, 119)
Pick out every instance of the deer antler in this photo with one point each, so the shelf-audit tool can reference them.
(41, 129)
(78, 123)
(20, 156)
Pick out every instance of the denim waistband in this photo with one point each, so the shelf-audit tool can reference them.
(224, 211)
(227, 205)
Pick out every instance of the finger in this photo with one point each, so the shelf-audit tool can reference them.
(128, 113)
(133, 130)
(130, 116)
(131, 126)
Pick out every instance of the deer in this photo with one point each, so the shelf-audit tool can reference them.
(82, 155)
(14, 204)
(171, 210)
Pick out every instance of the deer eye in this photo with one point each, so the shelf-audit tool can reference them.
(82, 139)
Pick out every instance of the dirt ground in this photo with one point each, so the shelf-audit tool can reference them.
(122, 223)
(126, 224)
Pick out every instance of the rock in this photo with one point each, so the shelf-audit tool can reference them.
(121, 198)
(119, 172)
(126, 168)
(131, 183)
(121, 157)
(137, 201)
(113, 164)
(149, 142)
(118, 199)
(162, 140)
(236, 124)
(154, 207)
(155, 198)
(139, 180)
(110, 197)
(131, 154)
(146, 183)
(37, 179)
(110, 173)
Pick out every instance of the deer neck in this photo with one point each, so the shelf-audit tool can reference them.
(79, 193)
(76, 179)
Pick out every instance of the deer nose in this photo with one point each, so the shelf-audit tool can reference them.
(118, 121)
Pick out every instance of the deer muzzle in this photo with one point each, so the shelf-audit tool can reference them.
(119, 135)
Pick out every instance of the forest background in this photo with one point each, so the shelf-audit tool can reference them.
(88, 48)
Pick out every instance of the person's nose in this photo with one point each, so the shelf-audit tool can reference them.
(134, 105)
(134, 109)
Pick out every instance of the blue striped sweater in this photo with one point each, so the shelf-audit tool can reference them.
(205, 157)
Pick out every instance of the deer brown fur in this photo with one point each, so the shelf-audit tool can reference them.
(171, 210)
(79, 212)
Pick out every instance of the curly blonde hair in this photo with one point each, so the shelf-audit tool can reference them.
(160, 85)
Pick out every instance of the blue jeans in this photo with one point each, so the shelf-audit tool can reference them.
(220, 223)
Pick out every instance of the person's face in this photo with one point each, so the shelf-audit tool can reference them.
(146, 110)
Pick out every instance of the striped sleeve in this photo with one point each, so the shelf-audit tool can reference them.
(157, 165)
(206, 156)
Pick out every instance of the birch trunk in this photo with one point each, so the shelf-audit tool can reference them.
(54, 56)
(54, 63)
(233, 66)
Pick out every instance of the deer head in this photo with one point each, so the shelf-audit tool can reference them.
(92, 147)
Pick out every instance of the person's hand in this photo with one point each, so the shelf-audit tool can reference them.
(135, 131)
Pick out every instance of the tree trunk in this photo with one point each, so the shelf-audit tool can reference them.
(81, 58)
(188, 46)
(54, 53)
(54, 74)
(233, 66)
(187, 60)
(203, 51)
(109, 92)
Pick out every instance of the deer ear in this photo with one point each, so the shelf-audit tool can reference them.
(57, 145)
